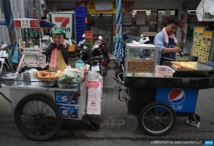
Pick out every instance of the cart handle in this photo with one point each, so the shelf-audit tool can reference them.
(120, 81)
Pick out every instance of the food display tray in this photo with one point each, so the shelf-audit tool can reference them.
(202, 71)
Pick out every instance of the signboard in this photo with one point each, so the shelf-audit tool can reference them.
(204, 51)
(180, 99)
(64, 21)
(197, 39)
(106, 7)
(26, 23)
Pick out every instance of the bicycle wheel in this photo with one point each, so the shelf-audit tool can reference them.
(38, 117)
(156, 118)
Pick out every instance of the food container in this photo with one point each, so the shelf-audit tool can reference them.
(47, 83)
(163, 71)
(67, 84)
(11, 79)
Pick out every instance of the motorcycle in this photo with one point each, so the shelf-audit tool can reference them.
(100, 49)
(5, 64)
(95, 63)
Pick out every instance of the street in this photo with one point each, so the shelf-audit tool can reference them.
(116, 126)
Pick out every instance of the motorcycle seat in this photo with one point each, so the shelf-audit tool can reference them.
(96, 58)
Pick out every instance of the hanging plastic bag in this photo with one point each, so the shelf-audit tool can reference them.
(95, 92)
(205, 6)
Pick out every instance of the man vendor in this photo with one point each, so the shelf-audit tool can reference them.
(166, 41)
(57, 51)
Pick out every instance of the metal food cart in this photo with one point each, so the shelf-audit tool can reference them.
(39, 110)
(157, 101)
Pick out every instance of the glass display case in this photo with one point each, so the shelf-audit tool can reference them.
(140, 60)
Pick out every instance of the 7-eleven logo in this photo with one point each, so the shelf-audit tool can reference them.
(63, 20)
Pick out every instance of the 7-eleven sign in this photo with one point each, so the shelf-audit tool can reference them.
(64, 21)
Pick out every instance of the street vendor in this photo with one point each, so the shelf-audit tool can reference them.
(57, 51)
(166, 41)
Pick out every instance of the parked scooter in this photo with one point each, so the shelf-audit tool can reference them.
(95, 63)
(5, 64)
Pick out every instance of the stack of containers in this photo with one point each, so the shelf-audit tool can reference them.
(80, 16)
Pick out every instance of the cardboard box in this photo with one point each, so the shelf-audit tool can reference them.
(66, 97)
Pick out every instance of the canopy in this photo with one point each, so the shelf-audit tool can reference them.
(205, 6)
(29, 23)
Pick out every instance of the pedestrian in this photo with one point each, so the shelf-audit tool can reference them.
(57, 51)
(166, 41)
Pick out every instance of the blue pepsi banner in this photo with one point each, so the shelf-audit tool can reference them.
(66, 97)
(180, 99)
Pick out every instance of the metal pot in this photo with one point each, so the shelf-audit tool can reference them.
(11, 79)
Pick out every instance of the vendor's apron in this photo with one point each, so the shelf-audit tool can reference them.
(168, 56)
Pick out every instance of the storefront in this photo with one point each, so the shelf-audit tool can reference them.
(137, 17)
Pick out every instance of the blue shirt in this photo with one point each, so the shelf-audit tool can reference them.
(159, 42)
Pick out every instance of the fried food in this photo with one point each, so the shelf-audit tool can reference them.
(185, 65)
(48, 74)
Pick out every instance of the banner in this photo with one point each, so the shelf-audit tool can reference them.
(108, 7)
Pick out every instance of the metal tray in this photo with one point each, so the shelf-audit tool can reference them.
(202, 71)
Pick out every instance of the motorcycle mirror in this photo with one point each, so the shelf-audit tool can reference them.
(85, 47)
(100, 37)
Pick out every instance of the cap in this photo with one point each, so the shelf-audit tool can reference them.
(60, 31)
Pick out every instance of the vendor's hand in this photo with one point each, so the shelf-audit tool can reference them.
(61, 41)
(177, 49)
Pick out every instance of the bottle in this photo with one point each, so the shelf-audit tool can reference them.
(75, 98)
(26, 78)
(75, 112)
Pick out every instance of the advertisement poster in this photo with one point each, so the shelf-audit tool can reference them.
(204, 51)
(141, 18)
(64, 21)
(197, 39)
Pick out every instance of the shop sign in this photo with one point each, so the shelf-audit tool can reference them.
(108, 7)
(63, 21)
(25, 23)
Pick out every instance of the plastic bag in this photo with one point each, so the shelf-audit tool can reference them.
(205, 6)
(70, 77)
(95, 92)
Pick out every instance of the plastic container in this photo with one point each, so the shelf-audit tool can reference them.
(11, 79)
(163, 71)
(80, 11)
(88, 35)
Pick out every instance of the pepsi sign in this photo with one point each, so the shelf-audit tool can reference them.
(63, 97)
(176, 96)
(180, 99)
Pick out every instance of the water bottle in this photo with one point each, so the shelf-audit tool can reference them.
(26, 78)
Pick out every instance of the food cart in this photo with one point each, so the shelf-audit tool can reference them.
(158, 100)
(33, 52)
(39, 106)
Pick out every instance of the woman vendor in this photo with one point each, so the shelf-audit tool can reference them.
(57, 52)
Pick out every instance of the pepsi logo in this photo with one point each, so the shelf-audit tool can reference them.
(176, 96)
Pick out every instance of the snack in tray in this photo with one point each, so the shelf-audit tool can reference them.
(184, 65)
(48, 75)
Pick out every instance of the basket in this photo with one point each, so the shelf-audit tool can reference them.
(163, 71)
(135, 65)
(43, 78)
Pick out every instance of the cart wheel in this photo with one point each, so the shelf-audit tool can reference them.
(38, 117)
(156, 118)
(94, 125)
(194, 119)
